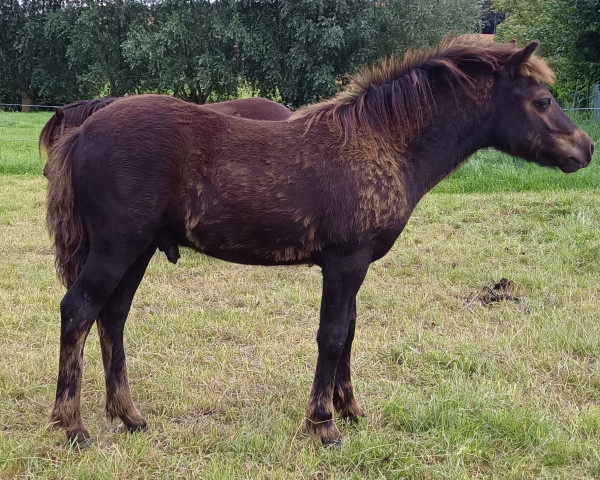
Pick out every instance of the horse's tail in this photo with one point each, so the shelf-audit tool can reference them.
(51, 131)
(63, 220)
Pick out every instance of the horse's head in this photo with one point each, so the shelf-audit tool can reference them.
(528, 121)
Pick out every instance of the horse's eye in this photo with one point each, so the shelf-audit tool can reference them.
(543, 103)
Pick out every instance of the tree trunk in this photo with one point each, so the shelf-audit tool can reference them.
(26, 102)
(28, 95)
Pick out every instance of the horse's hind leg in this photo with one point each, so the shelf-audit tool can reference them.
(343, 392)
(111, 322)
(79, 309)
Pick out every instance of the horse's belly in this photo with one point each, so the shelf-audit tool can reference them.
(256, 223)
(241, 243)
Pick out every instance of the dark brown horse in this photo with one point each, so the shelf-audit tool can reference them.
(332, 186)
(74, 114)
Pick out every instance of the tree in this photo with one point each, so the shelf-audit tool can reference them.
(584, 23)
(302, 48)
(422, 23)
(96, 49)
(569, 34)
(33, 45)
(188, 49)
(11, 21)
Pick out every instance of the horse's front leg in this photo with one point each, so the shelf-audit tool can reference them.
(343, 391)
(342, 278)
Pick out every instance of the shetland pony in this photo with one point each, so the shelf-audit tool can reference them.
(333, 186)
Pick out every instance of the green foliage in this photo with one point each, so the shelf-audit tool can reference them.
(96, 48)
(55, 74)
(569, 34)
(187, 48)
(304, 47)
(33, 45)
(11, 21)
(585, 15)
(298, 50)
(422, 23)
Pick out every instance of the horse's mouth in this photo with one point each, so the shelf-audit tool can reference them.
(573, 163)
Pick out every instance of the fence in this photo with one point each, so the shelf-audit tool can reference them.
(21, 105)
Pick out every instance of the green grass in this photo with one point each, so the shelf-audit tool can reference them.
(221, 356)
(19, 134)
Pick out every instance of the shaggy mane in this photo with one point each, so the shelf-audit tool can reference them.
(393, 92)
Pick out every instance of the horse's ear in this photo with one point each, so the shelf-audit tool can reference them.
(59, 114)
(513, 64)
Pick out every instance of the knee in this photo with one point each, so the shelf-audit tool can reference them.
(331, 342)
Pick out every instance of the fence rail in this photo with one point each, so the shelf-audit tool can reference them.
(21, 105)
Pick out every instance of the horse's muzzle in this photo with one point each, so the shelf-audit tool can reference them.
(575, 150)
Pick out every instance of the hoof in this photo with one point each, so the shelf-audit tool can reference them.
(79, 439)
(139, 428)
(351, 421)
(352, 413)
(133, 427)
(326, 432)
(334, 444)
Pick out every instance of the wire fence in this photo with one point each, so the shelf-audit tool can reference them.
(21, 105)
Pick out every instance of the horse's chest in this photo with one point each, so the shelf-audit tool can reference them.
(381, 195)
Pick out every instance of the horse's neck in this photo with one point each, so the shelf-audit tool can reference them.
(455, 131)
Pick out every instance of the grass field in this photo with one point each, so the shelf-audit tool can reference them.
(455, 385)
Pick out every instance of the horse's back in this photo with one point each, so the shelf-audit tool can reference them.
(150, 130)
(255, 108)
